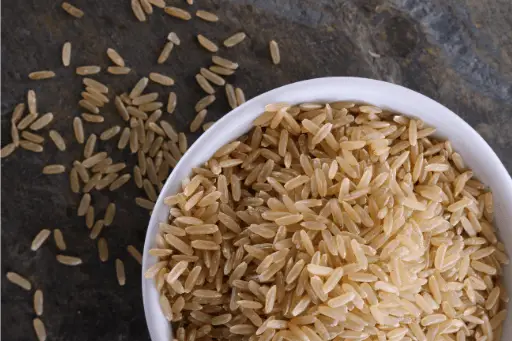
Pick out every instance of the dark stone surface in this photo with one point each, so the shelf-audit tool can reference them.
(458, 52)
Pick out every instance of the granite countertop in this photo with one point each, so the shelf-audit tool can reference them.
(458, 52)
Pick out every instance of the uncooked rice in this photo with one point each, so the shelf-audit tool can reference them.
(88, 70)
(110, 133)
(240, 96)
(92, 118)
(166, 52)
(58, 140)
(231, 96)
(42, 121)
(173, 38)
(110, 213)
(204, 84)
(19, 280)
(115, 57)
(171, 102)
(204, 102)
(139, 87)
(54, 169)
(197, 121)
(39, 329)
(212, 77)
(96, 229)
(27, 135)
(7, 150)
(287, 233)
(78, 129)
(228, 64)
(118, 70)
(207, 43)
(161, 79)
(207, 16)
(31, 146)
(221, 70)
(66, 53)
(274, 52)
(72, 10)
(119, 182)
(27, 120)
(58, 237)
(83, 206)
(235, 39)
(44, 74)
(178, 13)
(86, 104)
(121, 277)
(103, 249)
(69, 260)
(38, 302)
(39, 239)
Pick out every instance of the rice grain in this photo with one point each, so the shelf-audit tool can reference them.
(231, 96)
(69, 260)
(42, 121)
(173, 38)
(27, 120)
(88, 70)
(204, 102)
(54, 169)
(134, 253)
(103, 249)
(226, 63)
(235, 39)
(207, 16)
(274, 52)
(204, 84)
(197, 121)
(207, 44)
(78, 129)
(38, 325)
(240, 96)
(118, 70)
(212, 77)
(121, 276)
(19, 280)
(110, 133)
(66, 53)
(166, 52)
(31, 146)
(161, 79)
(74, 11)
(139, 88)
(115, 57)
(38, 302)
(7, 150)
(39, 239)
(39, 75)
(178, 13)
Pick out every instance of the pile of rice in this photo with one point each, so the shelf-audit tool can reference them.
(332, 221)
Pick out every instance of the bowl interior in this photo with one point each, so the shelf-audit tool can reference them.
(475, 151)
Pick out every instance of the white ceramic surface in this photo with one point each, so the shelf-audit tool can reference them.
(476, 153)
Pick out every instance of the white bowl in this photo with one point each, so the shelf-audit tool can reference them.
(475, 151)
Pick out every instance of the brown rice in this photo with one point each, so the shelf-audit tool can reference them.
(235, 39)
(207, 43)
(19, 280)
(313, 239)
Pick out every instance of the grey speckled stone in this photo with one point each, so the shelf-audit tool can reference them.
(458, 52)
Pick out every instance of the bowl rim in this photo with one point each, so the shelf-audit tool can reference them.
(228, 121)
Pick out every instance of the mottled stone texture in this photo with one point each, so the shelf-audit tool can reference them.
(458, 52)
